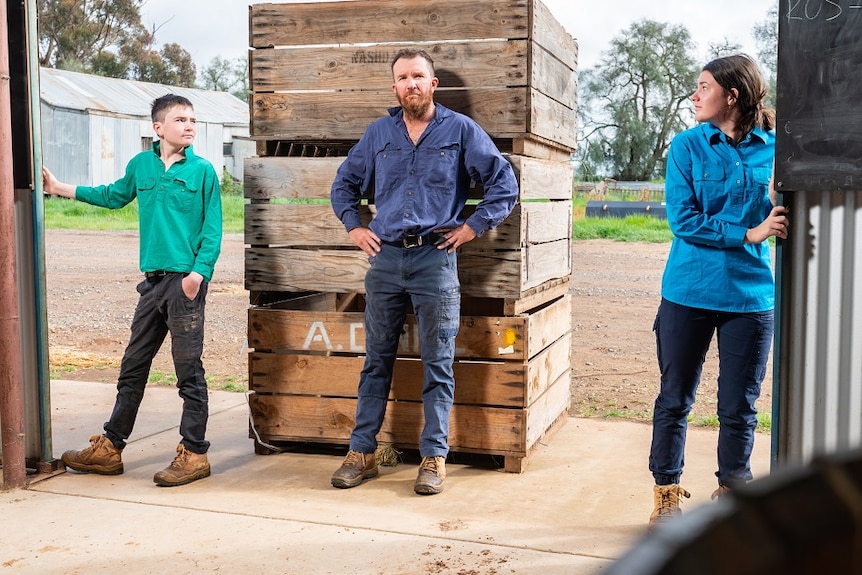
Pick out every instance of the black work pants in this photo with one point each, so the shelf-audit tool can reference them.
(163, 307)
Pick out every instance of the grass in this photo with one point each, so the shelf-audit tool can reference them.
(65, 214)
(764, 422)
(610, 410)
(64, 361)
(227, 383)
(162, 379)
(223, 382)
(634, 228)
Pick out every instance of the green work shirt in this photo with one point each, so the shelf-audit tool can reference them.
(179, 210)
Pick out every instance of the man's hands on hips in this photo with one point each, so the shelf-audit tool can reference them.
(453, 238)
(365, 240)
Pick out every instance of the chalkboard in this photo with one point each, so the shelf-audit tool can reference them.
(819, 98)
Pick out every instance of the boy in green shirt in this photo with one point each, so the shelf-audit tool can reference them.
(180, 220)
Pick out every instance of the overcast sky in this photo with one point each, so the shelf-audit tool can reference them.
(210, 28)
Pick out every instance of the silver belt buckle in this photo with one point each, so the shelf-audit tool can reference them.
(412, 241)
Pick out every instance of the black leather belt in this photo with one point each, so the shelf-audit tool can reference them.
(416, 241)
(155, 274)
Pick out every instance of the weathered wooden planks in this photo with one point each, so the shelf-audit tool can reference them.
(480, 337)
(502, 112)
(496, 63)
(307, 225)
(483, 273)
(304, 247)
(512, 378)
(268, 178)
(472, 428)
(379, 21)
(322, 71)
(495, 383)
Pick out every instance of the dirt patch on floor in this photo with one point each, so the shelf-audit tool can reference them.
(615, 292)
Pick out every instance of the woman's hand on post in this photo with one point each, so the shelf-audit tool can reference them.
(775, 224)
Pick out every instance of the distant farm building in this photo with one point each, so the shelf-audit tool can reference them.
(92, 125)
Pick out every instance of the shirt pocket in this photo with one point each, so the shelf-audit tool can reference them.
(710, 185)
(389, 168)
(145, 188)
(440, 166)
(760, 177)
(182, 196)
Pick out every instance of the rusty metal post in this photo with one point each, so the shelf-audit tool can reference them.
(11, 379)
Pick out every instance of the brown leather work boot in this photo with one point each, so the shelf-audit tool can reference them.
(101, 457)
(432, 473)
(354, 469)
(186, 467)
(666, 499)
(720, 492)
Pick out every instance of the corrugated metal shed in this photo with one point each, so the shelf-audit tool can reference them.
(86, 92)
(818, 390)
(92, 125)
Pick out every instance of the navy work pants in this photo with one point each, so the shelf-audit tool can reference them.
(683, 335)
(427, 278)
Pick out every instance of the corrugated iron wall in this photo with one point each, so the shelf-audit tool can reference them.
(64, 144)
(818, 395)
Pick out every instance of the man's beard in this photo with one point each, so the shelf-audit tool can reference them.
(415, 108)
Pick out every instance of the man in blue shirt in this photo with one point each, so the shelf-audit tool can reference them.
(419, 160)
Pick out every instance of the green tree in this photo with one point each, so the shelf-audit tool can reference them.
(765, 35)
(223, 75)
(107, 38)
(172, 66)
(635, 100)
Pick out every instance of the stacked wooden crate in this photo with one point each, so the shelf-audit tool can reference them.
(320, 74)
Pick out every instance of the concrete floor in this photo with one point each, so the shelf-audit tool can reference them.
(583, 500)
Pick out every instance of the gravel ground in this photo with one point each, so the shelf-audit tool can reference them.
(615, 289)
(91, 283)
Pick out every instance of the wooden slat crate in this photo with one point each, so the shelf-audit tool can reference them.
(297, 247)
(320, 71)
(512, 377)
(320, 74)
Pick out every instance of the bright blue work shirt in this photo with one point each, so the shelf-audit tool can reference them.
(422, 188)
(715, 192)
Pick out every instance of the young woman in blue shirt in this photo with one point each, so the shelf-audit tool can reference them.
(718, 279)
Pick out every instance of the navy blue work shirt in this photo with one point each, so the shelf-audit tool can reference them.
(422, 188)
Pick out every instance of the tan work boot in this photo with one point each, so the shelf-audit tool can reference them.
(101, 457)
(432, 473)
(666, 499)
(354, 469)
(186, 467)
(720, 492)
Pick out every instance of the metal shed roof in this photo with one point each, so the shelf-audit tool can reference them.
(86, 92)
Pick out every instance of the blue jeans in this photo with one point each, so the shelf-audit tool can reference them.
(683, 335)
(427, 278)
(163, 307)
